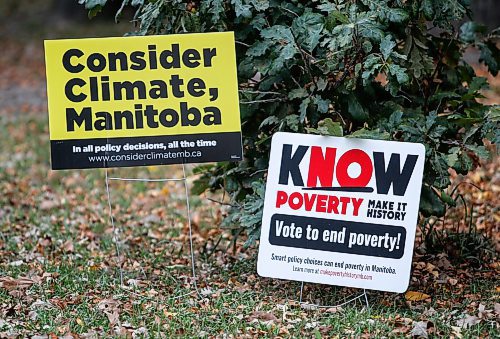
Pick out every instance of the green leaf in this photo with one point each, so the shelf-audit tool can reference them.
(490, 56)
(321, 104)
(481, 151)
(395, 119)
(477, 84)
(371, 30)
(303, 108)
(399, 72)
(322, 83)
(341, 36)
(339, 16)
(447, 199)
(327, 127)
(270, 120)
(367, 46)
(440, 165)
(421, 64)
(298, 93)
(94, 11)
(364, 133)
(327, 7)
(307, 29)
(278, 33)
(356, 110)
(386, 46)
(216, 9)
(292, 122)
(259, 22)
(372, 66)
(427, 8)
(468, 31)
(90, 4)
(397, 15)
(333, 128)
(284, 47)
(430, 203)
(260, 5)
(259, 48)
(241, 9)
(452, 157)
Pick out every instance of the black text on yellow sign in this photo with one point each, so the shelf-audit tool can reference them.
(135, 101)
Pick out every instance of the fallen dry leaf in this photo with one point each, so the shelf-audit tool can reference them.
(420, 329)
(11, 284)
(335, 309)
(416, 296)
(137, 283)
(310, 325)
(468, 321)
(68, 246)
(262, 316)
(457, 331)
(429, 312)
(108, 304)
(483, 313)
(48, 205)
(110, 308)
(113, 317)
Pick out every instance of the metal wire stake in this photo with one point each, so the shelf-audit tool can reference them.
(193, 269)
(191, 247)
(364, 294)
(115, 238)
(301, 289)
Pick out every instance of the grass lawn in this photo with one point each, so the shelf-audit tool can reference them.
(60, 272)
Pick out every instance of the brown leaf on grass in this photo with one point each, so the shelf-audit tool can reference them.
(497, 309)
(262, 316)
(68, 246)
(443, 262)
(108, 304)
(483, 313)
(110, 308)
(48, 205)
(420, 329)
(468, 321)
(416, 296)
(113, 317)
(334, 309)
(62, 304)
(429, 312)
(11, 284)
(137, 283)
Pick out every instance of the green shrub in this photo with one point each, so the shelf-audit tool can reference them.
(383, 69)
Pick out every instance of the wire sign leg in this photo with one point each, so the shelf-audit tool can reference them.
(116, 239)
(116, 232)
(191, 250)
(353, 299)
